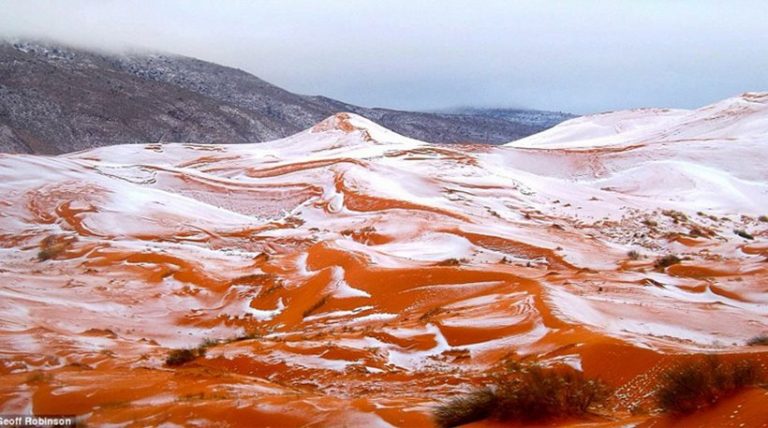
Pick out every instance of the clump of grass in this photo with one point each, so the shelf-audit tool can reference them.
(431, 313)
(664, 262)
(676, 216)
(37, 377)
(697, 232)
(763, 218)
(525, 393)
(249, 335)
(208, 342)
(709, 216)
(744, 234)
(45, 254)
(761, 340)
(178, 357)
(650, 223)
(52, 246)
(633, 255)
(471, 407)
(315, 306)
(537, 393)
(702, 382)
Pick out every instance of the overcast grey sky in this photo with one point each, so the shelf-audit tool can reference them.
(579, 55)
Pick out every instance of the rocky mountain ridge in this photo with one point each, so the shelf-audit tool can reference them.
(56, 99)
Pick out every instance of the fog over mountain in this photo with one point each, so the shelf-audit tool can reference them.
(56, 99)
(578, 56)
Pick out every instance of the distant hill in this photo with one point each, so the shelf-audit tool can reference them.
(57, 99)
(537, 118)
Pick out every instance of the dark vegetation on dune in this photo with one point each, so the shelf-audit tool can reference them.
(664, 262)
(525, 393)
(531, 393)
(761, 340)
(703, 381)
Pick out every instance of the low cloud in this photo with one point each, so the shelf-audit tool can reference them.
(579, 56)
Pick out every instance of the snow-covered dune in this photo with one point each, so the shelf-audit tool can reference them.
(712, 158)
(742, 117)
(348, 275)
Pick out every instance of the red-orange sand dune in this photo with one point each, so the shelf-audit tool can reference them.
(348, 276)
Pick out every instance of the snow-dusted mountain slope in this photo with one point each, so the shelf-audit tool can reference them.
(57, 99)
(348, 275)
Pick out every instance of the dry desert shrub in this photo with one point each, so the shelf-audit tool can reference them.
(663, 262)
(178, 357)
(761, 340)
(525, 393)
(54, 245)
(744, 234)
(701, 382)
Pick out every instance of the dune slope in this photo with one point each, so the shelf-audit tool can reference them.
(350, 275)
